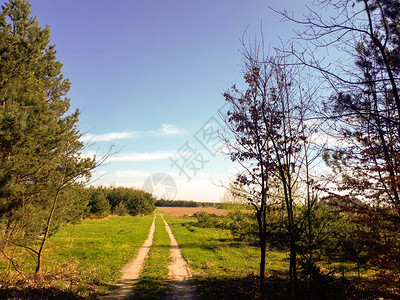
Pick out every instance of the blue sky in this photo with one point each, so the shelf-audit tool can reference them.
(148, 75)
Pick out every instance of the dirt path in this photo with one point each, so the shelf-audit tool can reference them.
(131, 271)
(179, 272)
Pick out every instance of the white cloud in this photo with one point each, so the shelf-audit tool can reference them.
(168, 129)
(107, 137)
(145, 156)
(164, 130)
(131, 173)
(100, 172)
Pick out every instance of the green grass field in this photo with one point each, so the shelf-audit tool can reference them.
(99, 248)
(214, 252)
(221, 266)
(86, 258)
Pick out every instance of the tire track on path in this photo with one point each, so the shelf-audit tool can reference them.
(179, 272)
(131, 272)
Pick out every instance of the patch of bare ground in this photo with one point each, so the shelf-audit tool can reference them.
(190, 211)
(181, 285)
(131, 272)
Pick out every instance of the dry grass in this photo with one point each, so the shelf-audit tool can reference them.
(189, 211)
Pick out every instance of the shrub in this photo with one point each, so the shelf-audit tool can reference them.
(243, 226)
(206, 220)
(98, 203)
(121, 209)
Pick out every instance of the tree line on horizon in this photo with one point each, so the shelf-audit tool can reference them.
(186, 203)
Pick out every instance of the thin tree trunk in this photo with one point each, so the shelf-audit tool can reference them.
(292, 242)
(262, 262)
(262, 236)
(293, 267)
(292, 258)
(46, 233)
(309, 224)
(261, 230)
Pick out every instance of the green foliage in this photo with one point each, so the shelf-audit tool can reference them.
(333, 233)
(121, 209)
(243, 226)
(133, 201)
(120, 201)
(139, 202)
(98, 204)
(206, 220)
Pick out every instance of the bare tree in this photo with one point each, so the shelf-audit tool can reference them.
(271, 126)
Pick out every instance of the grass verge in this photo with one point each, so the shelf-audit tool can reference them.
(153, 280)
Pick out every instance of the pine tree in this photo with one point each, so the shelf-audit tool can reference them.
(39, 141)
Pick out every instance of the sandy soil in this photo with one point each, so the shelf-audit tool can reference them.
(131, 271)
(181, 211)
(179, 273)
